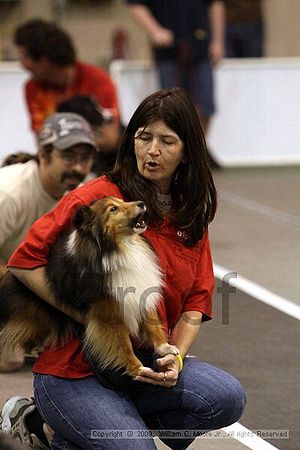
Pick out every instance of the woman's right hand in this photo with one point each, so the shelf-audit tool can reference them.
(166, 375)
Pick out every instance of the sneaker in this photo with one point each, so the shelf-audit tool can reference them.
(13, 422)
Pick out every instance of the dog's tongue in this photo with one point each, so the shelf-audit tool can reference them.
(140, 226)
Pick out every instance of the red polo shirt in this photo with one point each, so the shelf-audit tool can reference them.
(188, 271)
(89, 80)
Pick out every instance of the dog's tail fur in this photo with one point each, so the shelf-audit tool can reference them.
(27, 321)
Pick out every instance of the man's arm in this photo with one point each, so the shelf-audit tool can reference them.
(36, 280)
(217, 25)
(158, 35)
(3, 268)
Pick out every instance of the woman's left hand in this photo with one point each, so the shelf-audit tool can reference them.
(167, 374)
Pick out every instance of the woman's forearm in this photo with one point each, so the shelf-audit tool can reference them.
(186, 331)
(36, 281)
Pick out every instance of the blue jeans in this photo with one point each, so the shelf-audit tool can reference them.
(244, 40)
(204, 397)
(196, 79)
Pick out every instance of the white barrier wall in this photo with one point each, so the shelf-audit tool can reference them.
(258, 112)
(258, 107)
(257, 119)
(15, 134)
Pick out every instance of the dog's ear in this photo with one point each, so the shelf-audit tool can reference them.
(82, 215)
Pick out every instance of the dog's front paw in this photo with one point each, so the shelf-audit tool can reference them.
(166, 349)
(134, 370)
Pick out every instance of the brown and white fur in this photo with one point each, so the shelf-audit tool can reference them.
(103, 269)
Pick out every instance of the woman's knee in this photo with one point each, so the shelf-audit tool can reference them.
(224, 395)
(232, 400)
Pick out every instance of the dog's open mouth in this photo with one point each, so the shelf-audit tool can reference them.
(139, 225)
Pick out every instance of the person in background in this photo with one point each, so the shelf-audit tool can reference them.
(48, 53)
(244, 29)
(162, 161)
(29, 190)
(187, 39)
(107, 131)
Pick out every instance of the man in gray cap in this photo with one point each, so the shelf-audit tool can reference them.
(27, 191)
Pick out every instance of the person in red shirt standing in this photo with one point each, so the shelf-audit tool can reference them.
(48, 53)
(162, 161)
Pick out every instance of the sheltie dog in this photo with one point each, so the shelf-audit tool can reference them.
(104, 269)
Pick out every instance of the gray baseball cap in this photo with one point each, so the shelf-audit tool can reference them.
(63, 130)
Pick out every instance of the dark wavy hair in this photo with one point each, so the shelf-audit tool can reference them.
(192, 188)
(42, 38)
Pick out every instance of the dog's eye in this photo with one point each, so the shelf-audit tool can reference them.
(113, 208)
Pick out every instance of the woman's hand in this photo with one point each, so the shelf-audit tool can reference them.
(166, 375)
(183, 335)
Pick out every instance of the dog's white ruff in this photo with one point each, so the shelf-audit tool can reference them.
(71, 243)
(136, 281)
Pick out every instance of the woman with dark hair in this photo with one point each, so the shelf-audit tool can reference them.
(163, 162)
(191, 185)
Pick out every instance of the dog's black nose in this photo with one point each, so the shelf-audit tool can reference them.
(141, 205)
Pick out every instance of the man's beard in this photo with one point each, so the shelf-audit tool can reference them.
(76, 178)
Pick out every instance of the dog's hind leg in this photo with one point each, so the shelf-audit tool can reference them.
(107, 340)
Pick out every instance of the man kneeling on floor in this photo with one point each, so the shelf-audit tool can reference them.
(28, 190)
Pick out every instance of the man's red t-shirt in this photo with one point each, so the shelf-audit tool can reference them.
(188, 272)
(89, 80)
